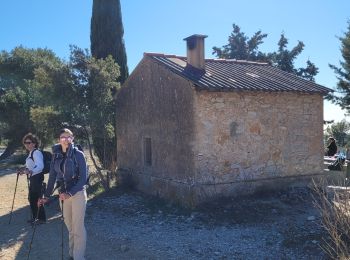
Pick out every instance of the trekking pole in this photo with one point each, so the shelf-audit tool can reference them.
(43, 188)
(13, 201)
(62, 228)
(30, 210)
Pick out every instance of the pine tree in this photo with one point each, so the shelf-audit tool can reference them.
(107, 34)
(241, 47)
(342, 96)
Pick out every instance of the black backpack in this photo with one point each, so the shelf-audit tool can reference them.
(80, 148)
(47, 157)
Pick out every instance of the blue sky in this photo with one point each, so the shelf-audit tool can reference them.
(161, 25)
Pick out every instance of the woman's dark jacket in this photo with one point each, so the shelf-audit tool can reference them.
(332, 149)
(69, 170)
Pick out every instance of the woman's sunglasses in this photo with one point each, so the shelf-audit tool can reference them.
(27, 142)
(68, 138)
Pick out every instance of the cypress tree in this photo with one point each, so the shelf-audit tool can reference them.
(107, 34)
(107, 39)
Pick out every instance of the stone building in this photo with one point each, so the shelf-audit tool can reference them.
(191, 129)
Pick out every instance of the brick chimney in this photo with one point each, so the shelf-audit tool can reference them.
(195, 50)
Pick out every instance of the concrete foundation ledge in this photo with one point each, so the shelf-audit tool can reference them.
(192, 194)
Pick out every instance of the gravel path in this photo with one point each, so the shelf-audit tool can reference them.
(129, 225)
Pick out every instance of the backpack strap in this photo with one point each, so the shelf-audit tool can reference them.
(31, 154)
(76, 165)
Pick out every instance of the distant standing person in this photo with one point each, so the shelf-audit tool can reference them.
(332, 147)
(69, 169)
(33, 170)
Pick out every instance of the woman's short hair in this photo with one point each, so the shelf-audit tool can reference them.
(33, 138)
(65, 130)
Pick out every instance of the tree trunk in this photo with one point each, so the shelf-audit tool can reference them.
(10, 149)
(106, 152)
(104, 182)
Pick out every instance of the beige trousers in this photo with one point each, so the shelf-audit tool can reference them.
(74, 214)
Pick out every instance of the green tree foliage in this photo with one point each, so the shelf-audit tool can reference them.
(17, 96)
(14, 112)
(40, 93)
(340, 131)
(241, 47)
(80, 93)
(46, 121)
(107, 34)
(107, 39)
(342, 95)
(64, 88)
(103, 83)
(284, 59)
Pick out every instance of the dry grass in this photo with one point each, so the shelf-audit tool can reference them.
(333, 203)
(96, 187)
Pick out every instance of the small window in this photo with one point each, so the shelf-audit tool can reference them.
(148, 151)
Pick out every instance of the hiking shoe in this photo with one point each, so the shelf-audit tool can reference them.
(30, 221)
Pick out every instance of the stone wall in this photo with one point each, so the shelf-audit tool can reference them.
(157, 104)
(210, 144)
(253, 138)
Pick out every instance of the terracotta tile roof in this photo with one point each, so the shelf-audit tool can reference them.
(237, 75)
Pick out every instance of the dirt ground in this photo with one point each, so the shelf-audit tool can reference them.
(15, 237)
(128, 225)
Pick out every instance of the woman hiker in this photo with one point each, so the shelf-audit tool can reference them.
(33, 170)
(69, 169)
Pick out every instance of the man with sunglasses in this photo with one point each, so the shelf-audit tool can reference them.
(33, 170)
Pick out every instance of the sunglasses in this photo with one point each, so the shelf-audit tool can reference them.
(68, 138)
(27, 142)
